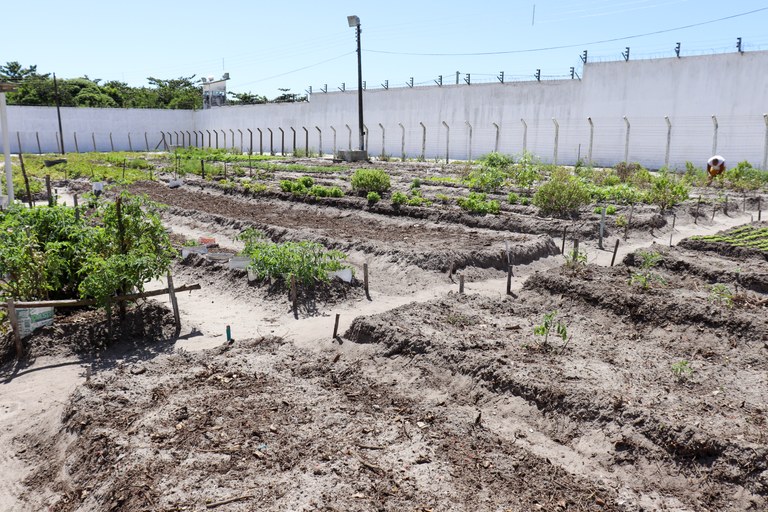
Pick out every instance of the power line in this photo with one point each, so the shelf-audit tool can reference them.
(579, 45)
(295, 70)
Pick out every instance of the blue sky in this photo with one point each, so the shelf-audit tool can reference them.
(268, 45)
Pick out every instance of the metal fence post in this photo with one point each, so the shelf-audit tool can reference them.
(77, 148)
(525, 135)
(250, 138)
(271, 142)
(557, 140)
(765, 145)
(334, 140)
(294, 140)
(669, 141)
(350, 136)
(241, 139)
(282, 140)
(93, 138)
(320, 141)
(423, 141)
(447, 140)
(261, 141)
(111, 144)
(626, 141)
(402, 142)
(591, 140)
(130, 144)
(469, 150)
(496, 142)
(306, 141)
(383, 140)
(39, 149)
(714, 135)
(146, 141)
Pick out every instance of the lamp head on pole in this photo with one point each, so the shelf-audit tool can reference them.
(353, 21)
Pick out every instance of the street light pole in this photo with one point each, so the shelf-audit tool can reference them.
(354, 21)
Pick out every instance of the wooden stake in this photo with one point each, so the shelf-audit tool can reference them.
(509, 279)
(48, 188)
(14, 320)
(365, 278)
(725, 205)
(629, 222)
(336, 327)
(562, 249)
(26, 180)
(672, 232)
(615, 250)
(759, 209)
(602, 229)
(174, 304)
(576, 247)
(696, 216)
(461, 283)
(202, 168)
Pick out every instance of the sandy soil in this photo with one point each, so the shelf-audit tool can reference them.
(430, 400)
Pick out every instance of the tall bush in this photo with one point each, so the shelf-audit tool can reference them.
(562, 195)
(370, 180)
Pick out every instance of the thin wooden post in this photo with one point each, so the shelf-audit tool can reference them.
(672, 232)
(575, 247)
(229, 334)
(759, 209)
(294, 294)
(615, 250)
(725, 205)
(461, 283)
(174, 304)
(696, 216)
(26, 180)
(336, 327)
(365, 279)
(48, 189)
(602, 229)
(14, 320)
(202, 168)
(562, 249)
(509, 279)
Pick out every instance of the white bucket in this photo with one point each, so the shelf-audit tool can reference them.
(219, 257)
(197, 249)
(239, 262)
(344, 274)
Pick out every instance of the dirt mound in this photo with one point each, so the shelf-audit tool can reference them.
(660, 389)
(261, 425)
(81, 332)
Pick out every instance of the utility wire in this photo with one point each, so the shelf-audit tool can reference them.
(530, 50)
(295, 70)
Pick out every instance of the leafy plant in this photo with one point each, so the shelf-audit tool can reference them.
(575, 259)
(478, 203)
(749, 236)
(682, 370)
(370, 180)
(548, 325)
(399, 198)
(621, 221)
(309, 262)
(563, 194)
(666, 191)
(644, 277)
(721, 294)
(442, 198)
(373, 197)
(513, 198)
(47, 253)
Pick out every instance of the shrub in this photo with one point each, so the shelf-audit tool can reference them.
(335, 192)
(513, 198)
(745, 177)
(625, 170)
(373, 197)
(563, 194)
(486, 178)
(370, 180)
(399, 198)
(610, 210)
(309, 262)
(497, 160)
(477, 203)
(306, 181)
(253, 187)
(666, 191)
(416, 183)
(443, 198)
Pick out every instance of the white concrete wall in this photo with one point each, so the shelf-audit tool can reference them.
(689, 90)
